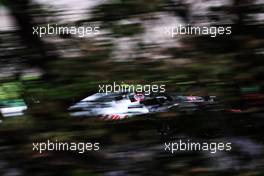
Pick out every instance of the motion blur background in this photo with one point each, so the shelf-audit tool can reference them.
(52, 72)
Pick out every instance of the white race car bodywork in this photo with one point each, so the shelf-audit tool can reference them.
(90, 106)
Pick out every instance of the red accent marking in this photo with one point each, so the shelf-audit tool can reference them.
(235, 110)
(139, 96)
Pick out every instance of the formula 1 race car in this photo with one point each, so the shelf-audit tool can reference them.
(116, 106)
